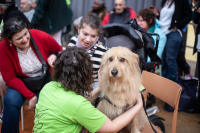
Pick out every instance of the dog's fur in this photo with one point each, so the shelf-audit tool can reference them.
(122, 88)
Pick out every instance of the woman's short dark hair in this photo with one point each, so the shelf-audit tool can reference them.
(13, 26)
(147, 15)
(73, 68)
(93, 21)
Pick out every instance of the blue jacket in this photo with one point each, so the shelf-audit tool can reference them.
(162, 41)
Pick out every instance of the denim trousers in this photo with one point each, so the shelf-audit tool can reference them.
(13, 101)
(169, 63)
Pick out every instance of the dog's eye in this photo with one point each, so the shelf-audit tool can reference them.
(110, 59)
(122, 60)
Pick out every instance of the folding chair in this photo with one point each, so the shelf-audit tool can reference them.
(164, 89)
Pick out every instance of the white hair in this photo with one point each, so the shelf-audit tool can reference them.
(35, 1)
(124, 1)
(29, 2)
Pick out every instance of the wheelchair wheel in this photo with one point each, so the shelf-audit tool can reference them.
(159, 124)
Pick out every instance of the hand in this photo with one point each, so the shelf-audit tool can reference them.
(198, 10)
(32, 103)
(175, 29)
(51, 59)
(139, 100)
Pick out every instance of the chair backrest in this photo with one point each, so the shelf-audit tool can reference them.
(164, 89)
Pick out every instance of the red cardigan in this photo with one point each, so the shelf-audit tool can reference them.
(9, 61)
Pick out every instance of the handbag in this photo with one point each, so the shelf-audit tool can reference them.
(188, 95)
(36, 83)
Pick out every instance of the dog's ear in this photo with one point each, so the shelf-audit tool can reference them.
(103, 60)
(135, 58)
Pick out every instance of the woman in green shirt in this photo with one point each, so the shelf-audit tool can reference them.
(62, 106)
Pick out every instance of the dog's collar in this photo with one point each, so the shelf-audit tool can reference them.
(125, 108)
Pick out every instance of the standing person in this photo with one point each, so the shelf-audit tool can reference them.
(52, 16)
(119, 14)
(196, 48)
(89, 31)
(174, 15)
(19, 59)
(147, 20)
(62, 106)
(27, 9)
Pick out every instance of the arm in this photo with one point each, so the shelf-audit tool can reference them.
(122, 120)
(132, 14)
(9, 72)
(106, 19)
(187, 13)
(39, 12)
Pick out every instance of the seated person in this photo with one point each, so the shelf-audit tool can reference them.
(147, 20)
(119, 14)
(63, 107)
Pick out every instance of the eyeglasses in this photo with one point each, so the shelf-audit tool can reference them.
(14, 27)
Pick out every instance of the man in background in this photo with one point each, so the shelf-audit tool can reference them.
(27, 9)
(119, 14)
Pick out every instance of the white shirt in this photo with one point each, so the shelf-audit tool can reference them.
(29, 63)
(166, 17)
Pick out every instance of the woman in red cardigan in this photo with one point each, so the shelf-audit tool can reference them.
(18, 58)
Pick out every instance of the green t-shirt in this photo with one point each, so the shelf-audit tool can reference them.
(60, 111)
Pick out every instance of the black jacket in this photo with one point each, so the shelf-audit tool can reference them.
(182, 14)
(13, 11)
(196, 20)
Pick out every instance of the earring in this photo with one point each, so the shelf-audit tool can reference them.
(10, 44)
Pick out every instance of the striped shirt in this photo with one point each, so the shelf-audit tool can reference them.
(95, 52)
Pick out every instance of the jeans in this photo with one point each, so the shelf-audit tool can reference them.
(169, 66)
(13, 101)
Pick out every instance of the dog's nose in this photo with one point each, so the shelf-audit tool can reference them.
(114, 72)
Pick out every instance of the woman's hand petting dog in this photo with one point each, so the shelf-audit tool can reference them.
(51, 59)
(32, 103)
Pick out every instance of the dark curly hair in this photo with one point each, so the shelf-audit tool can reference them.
(73, 68)
(147, 15)
(17, 25)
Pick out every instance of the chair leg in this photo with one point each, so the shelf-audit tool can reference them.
(22, 117)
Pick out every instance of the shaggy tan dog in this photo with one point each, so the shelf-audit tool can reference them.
(120, 82)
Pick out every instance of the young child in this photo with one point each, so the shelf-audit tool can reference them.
(88, 38)
(62, 106)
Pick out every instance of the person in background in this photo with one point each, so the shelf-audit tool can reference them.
(63, 107)
(174, 15)
(196, 48)
(19, 59)
(119, 14)
(147, 20)
(52, 16)
(26, 8)
(9, 10)
(99, 9)
(34, 4)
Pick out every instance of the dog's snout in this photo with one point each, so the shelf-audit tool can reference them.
(114, 72)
